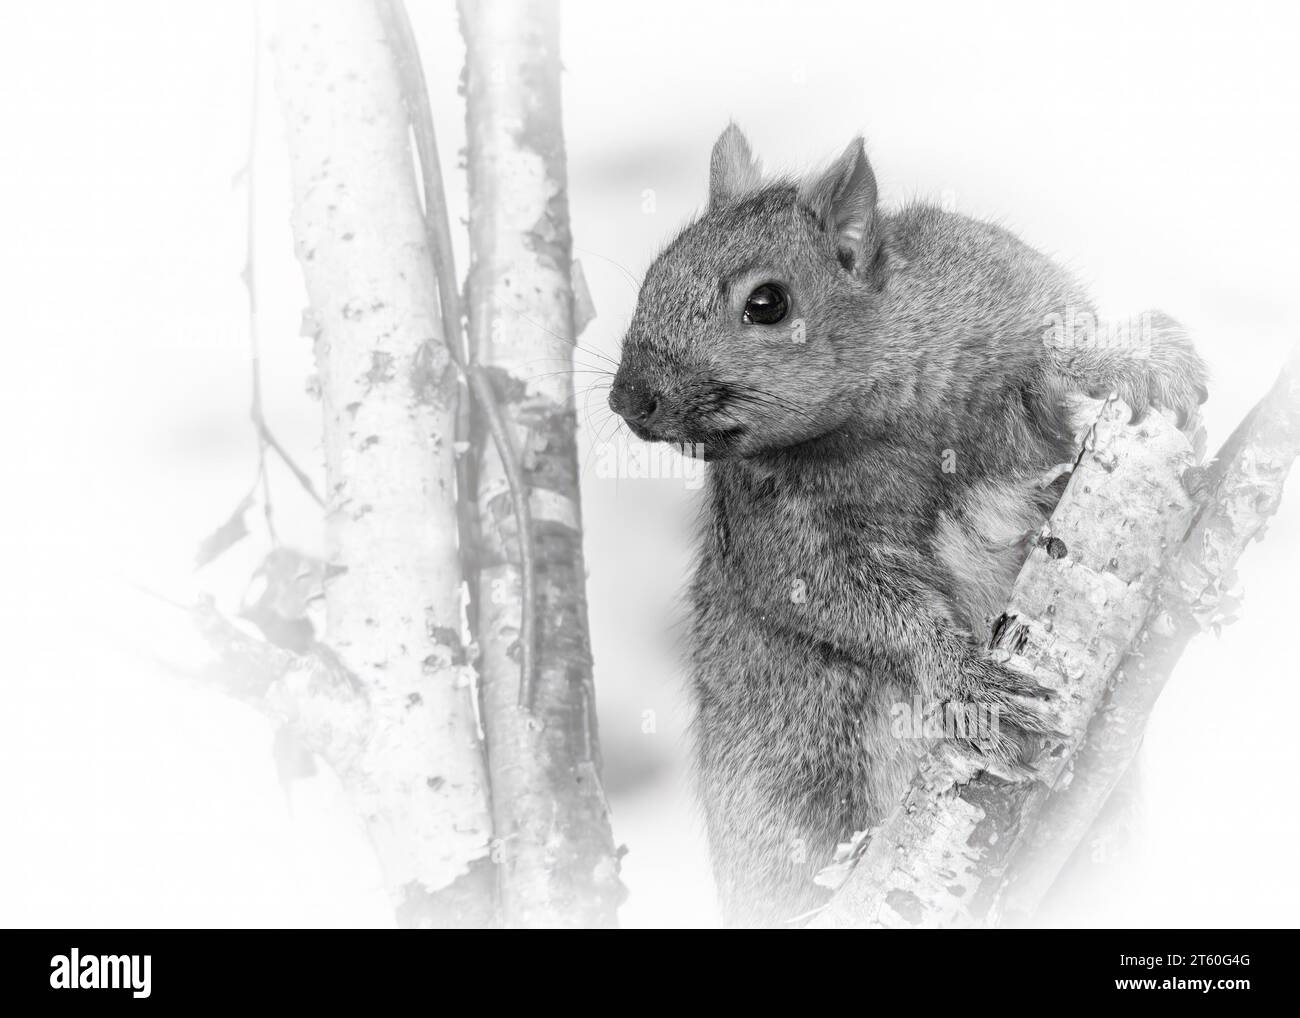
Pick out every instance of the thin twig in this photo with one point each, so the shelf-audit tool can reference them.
(274, 445)
(157, 595)
(249, 275)
(464, 354)
(265, 439)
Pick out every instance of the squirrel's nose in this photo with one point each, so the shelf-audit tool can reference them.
(634, 403)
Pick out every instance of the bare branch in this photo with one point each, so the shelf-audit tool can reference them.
(558, 865)
(1245, 482)
(388, 398)
(465, 354)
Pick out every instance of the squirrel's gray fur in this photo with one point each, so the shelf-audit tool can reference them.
(875, 471)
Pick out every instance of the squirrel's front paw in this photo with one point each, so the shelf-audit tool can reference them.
(1157, 369)
(1008, 716)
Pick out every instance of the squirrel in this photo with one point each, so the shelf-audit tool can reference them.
(879, 396)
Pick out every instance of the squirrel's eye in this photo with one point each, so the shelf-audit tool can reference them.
(767, 305)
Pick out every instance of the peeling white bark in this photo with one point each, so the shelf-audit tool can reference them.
(388, 397)
(1245, 485)
(1078, 603)
(557, 861)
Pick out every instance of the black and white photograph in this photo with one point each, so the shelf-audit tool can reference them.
(555, 464)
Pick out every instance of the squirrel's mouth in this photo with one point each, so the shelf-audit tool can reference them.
(698, 443)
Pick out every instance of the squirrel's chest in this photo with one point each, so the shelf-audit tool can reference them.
(753, 530)
(766, 550)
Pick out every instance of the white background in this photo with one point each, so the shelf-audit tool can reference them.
(1153, 150)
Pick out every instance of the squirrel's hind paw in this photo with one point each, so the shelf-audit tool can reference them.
(1010, 717)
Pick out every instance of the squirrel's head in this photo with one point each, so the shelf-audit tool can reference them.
(744, 322)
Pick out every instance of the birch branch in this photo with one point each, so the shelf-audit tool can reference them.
(1245, 482)
(388, 400)
(1077, 605)
(557, 861)
(397, 26)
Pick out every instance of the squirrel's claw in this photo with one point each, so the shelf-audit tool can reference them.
(1015, 716)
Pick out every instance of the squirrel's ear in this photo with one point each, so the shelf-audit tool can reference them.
(844, 199)
(733, 170)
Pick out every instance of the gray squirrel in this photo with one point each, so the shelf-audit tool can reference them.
(880, 395)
